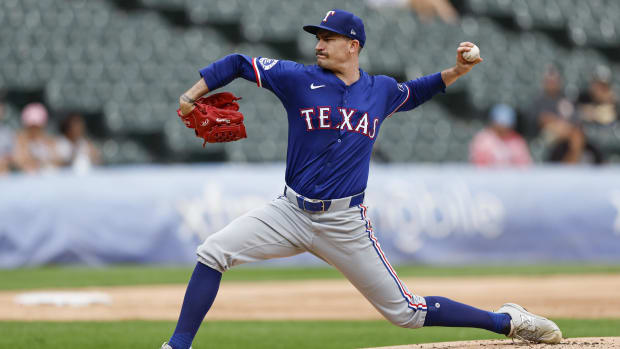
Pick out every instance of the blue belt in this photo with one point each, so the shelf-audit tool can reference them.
(316, 205)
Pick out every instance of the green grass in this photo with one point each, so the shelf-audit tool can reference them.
(247, 334)
(255, 335)
(50, 277)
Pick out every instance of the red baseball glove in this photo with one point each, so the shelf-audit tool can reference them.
(216, 118)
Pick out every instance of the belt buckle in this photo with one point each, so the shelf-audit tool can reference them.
(304, 204)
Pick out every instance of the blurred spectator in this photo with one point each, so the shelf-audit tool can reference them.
(552, 112)
(499, 144)
(73, 146)
(598, 104)
(34, 148)
(553, 115)
(426, 9)
(6, 142)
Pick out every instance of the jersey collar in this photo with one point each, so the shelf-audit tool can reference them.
(333, 78)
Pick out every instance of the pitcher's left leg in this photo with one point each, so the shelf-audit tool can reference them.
(350, 245)
(347, 242)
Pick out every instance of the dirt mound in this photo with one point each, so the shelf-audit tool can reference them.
(570, 343)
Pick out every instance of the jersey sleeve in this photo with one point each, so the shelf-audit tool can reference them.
(278, 76)
(269, 73)
(408, 95)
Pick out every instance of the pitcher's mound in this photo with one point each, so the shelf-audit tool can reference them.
(590, 342)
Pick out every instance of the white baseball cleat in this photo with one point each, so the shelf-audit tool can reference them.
(529, 327)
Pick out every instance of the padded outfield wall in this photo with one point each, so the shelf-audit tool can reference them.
(421, 214)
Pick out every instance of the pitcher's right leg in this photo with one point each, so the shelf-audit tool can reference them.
(261, 234)
(247, 239)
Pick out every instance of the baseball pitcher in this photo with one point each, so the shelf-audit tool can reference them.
(335, 111)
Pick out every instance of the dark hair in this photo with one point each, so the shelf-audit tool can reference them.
(65, 124)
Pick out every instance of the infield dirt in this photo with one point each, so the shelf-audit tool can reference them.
(551, 296)
(571, 343)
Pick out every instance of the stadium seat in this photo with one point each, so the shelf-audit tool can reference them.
(131, 66)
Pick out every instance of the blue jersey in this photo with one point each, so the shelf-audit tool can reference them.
(331, 126)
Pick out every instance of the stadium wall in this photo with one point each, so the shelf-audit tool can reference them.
(452, 214)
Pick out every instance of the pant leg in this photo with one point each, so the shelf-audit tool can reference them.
(271, 231)
(347, 242)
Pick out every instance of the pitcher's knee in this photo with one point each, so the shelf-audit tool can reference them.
(409, 319)
(211, 254)
(401, 322)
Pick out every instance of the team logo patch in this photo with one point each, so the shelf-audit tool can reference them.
(401, 87)
(329, 13)
(267, 63)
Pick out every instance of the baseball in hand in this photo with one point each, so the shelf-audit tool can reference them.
(472, 55)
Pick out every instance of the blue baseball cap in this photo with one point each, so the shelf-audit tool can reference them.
(341, 22)
(503, 115)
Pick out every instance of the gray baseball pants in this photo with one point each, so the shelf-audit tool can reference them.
(341, 236)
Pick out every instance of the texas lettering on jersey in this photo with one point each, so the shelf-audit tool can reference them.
(320, 118)
(332, 126)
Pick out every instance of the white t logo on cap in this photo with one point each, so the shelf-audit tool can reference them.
(329, 13)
